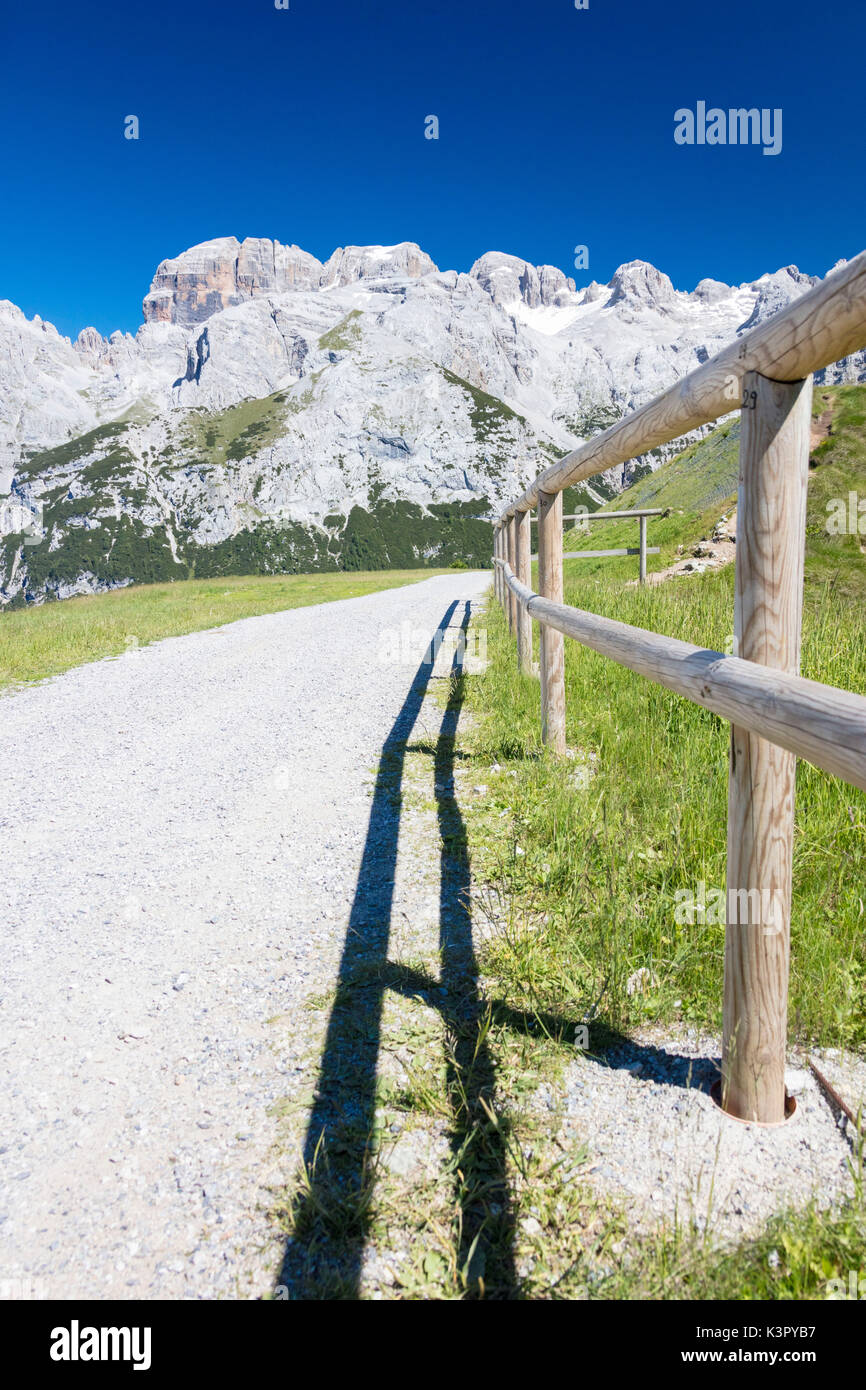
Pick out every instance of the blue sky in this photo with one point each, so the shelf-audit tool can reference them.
(307, 125)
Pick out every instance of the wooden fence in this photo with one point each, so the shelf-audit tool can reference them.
(776, 716)
(642, 513)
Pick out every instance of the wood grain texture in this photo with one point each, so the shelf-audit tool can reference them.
(524, 574)
(501, 576)
(552, 648)
(827, 323)
(503, 552)
(768, 610)
(511, 552)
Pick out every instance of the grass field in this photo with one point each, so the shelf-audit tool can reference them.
(587, 855)
(604, 842)
(42, 641)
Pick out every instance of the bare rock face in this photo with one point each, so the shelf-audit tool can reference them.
(711, 291)
(195, 285)
(219, 274)
(555, 288)
(638, 285)
(43, 383)
(268, 267)
(776, 292)
(593, 292)
(505, 278)
(349, 264)
(508, 279)
(91, 346)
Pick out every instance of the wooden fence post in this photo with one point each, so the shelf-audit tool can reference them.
(524, 574)
(495, 566)
(768, 606)
(500, 540)
(552, 657)
(503, 553)
(511, 559)
(642, 521)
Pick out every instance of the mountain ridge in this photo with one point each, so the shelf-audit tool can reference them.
(269, 397)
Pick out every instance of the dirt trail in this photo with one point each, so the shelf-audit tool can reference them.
(183, 831)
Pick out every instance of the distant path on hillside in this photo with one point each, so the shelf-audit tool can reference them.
(182, 829)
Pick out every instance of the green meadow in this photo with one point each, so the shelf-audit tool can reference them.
(608, 837)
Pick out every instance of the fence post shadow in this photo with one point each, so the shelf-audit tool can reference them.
(331, 1211)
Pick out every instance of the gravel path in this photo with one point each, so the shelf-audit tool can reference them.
(183, 828)
(659, 1143)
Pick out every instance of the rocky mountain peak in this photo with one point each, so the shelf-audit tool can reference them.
(508, 279)
(775, 291)
(593, 291)
(349, 264)
(711, 291)
(90, 345)
(282, 395)
(218, 274)
(639, 285)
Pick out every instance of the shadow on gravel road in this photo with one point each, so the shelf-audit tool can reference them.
(331, 1214)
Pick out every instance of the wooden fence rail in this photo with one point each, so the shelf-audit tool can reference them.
(641, 513)
(775, 715)
(817, 722)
